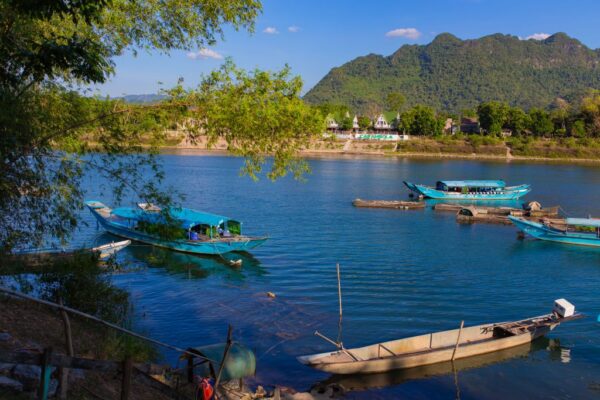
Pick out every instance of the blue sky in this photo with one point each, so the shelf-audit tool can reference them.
(312, 36)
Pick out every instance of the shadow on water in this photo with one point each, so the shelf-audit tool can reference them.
(195, 265)
(352, 383)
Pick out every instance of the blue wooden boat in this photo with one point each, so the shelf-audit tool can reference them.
(470, 190)
(197, 232)
(581, 231)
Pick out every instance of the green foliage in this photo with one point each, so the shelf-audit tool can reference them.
(364, 123)
(258, 113)
(450, 74)
(540, 122)
(578, 129)
(83, 285)
(421, 120)
(346, 124)
(170, 230)
(394, 101)
(493, 116)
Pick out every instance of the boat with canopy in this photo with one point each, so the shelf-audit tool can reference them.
(470, 190)
(581, 231)
(180, 229)
(440, 347)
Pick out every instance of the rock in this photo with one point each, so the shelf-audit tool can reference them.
(271, 295)
(10, 384)
(5, 369)
(5, 336)
(28, 375)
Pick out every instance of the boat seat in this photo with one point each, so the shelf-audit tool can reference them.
(501, 331)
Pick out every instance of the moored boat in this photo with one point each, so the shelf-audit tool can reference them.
(581, 231)
(189, 231)
(470, 190)
(396, 204)
(440, 347)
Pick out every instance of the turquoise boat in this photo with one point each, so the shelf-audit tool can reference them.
(470, 190)
(581, 231)
(197, 232)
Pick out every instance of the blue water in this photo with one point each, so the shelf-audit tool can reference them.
(403, 273)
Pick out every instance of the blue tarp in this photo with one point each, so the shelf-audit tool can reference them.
(595, 222)
(186, 216)
(475, 183)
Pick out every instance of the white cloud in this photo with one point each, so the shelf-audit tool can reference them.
(204, 54)
(293, 28)
(538, 36)
(409, 33)
(271, 30)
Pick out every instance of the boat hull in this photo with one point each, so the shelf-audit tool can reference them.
(542, 232)
(213, 247)
(433, 348)
(509, 193)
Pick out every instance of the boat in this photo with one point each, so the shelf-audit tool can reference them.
(180, 229)
(581, 231)
(42, 256)
(440, 347)
(470, 190)
(396, 204)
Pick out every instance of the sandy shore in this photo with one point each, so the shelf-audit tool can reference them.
(338, 153)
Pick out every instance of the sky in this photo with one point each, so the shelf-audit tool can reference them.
(313, 36)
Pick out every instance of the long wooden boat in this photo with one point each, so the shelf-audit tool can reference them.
(470, 190)
(581, 231)
(196, 232)
(439, 347)
(41, 255)
(396, 204)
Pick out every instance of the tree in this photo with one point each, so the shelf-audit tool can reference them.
(394, 101)
(421, 120)
(346, 123)
(364, 123)
(540, 122)
(590, 111)
(50, 135)
(578, 129)
(517, 120)
(492, 116)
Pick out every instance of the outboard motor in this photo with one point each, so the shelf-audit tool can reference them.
(563, 309)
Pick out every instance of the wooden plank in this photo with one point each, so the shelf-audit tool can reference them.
(59, 360)
(126, 382)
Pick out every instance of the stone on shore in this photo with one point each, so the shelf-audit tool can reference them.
(7, 383)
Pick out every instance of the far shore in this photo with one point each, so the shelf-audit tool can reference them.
(339, 153)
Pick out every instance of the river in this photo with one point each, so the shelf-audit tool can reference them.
(404, 273)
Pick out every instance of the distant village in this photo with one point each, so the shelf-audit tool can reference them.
(387, 126)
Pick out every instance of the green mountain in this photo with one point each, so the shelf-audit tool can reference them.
(451, 74)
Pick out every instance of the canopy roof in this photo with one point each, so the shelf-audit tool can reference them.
(475, 183)
(186, 216)
(595, 222)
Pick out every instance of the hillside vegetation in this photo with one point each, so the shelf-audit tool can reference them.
(451, 74)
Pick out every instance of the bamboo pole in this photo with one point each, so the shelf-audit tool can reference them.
(91, 317)
(339, 282)
(225, 354)
(462, 323)
(64, 372)
(46, 370)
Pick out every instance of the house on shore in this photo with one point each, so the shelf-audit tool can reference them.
(331, 123)
(469, 125)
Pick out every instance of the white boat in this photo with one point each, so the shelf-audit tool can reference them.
(107, 250)
(440, 347)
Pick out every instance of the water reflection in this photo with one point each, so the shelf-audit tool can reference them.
(398, 377)
(195, 266)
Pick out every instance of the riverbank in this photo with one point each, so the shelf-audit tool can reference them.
(472, 148)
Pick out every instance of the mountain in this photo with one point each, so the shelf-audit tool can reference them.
(451, 74)
(143, 98)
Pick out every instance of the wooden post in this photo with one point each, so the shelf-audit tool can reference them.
(190, 369)
(225, 354)
(126, 383)
(339, 281)
(462, 323)
(45, 374)
(64, 372)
